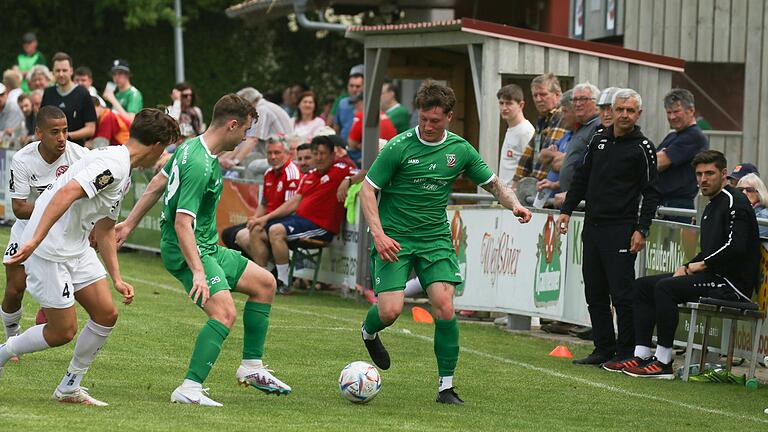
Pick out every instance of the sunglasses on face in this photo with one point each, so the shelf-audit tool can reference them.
(747, 189)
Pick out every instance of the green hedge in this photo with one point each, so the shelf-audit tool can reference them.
(221, 54)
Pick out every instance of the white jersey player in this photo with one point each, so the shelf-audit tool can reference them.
(62, 267)
(33, 169)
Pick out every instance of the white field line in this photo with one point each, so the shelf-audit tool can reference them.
(505, 360)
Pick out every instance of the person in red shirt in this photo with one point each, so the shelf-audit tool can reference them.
(111, 127)
(387, 130)
(315, 212)
(281, 181)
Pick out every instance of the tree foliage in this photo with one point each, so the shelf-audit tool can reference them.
(221, 54)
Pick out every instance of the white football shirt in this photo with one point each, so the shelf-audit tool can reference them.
(105, 175)
(30, 174)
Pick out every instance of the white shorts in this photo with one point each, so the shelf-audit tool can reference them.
(53, 284)
(14, 243)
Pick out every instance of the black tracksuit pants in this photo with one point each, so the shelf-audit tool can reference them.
(657, 297)
(609, 270)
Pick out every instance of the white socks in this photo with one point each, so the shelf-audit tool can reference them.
(251, 364)
(368, 336)
(643, 352)
(11, 322)
(191, 384)
(413, 288)
(30, 341)
(664, 354)
(445, 383)
(92, 337)
(282, 273)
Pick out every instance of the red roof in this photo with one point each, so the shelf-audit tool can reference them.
(501, 31)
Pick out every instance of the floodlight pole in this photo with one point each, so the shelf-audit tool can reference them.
(178, 40)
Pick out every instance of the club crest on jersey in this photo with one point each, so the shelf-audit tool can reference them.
(103, 180)
(61, 170)
(450, 160)
(324, 179)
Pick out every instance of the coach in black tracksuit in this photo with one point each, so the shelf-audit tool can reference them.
(728, 268)
(618, 181)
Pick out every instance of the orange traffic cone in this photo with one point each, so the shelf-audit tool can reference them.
(421, 315)
(561, 351)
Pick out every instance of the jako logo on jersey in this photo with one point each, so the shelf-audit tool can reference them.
(324, 179)
(61, 170)
(413, 161)
(450, 160)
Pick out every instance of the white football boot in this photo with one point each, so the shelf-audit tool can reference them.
(193, 396)
(78, 396)
(261, 379)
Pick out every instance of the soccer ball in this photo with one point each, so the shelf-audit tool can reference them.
(359, 382)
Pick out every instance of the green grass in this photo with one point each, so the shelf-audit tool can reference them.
(508, 380)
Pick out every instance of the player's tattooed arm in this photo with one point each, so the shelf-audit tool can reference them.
(506, 197)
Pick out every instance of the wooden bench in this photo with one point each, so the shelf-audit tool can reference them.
(306, 249)
(730, 310)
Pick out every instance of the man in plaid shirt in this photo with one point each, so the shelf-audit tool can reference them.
(546, 95)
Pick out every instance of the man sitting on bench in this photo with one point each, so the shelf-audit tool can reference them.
(318, 212)
(726, 268)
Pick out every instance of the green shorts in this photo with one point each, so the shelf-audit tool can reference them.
(433, 261)
(223, 269)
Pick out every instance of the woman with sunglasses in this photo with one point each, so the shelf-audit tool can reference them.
(757, 193)
(184, 110)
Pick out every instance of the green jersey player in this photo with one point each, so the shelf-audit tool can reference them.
(413, 175)
(210, 273)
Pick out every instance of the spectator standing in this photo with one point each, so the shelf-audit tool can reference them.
(387, 130)
(39, 78)
(554, 155)
(397, 113)
(585, 97)
(519, 130)
(728, 268)
(84, 78)
(677, 181)
(306, 122)
(111, 127)
(185, 110)
(618, 180)
(546, 93)
(757, 194)
(345, 112)
(11, 120)
(74, 100)
(25, 105)
(12, 80)
(740, 171)
(273, 121)
(29, 57)
(128, 100)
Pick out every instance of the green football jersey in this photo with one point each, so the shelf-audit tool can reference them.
(414, 179)
(194, 188)
(131, 100)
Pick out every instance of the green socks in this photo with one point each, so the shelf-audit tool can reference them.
(207, 349)
(256, 324)
(372, 323)
(446, 346)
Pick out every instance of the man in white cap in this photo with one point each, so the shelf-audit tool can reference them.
(128, 100)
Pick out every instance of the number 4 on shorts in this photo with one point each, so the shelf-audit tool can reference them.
(65, 293)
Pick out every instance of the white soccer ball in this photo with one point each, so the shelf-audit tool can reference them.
(359, 382)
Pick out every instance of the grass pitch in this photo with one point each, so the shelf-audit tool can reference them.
(508, 380)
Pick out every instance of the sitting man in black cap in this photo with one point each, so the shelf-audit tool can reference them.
(125, 99)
